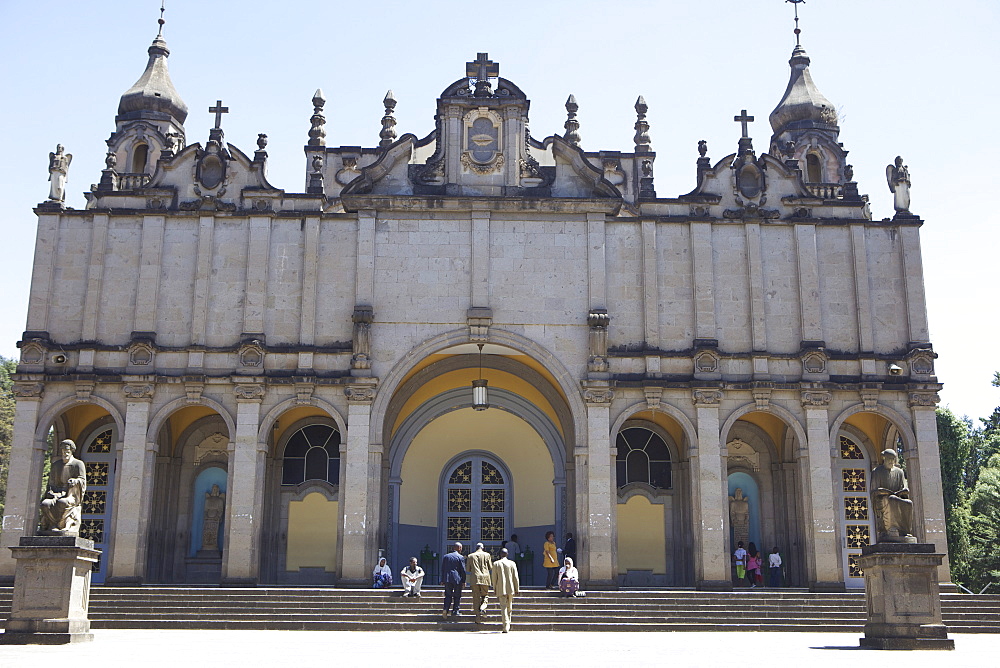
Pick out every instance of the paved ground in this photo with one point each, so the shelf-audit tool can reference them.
(252, 649)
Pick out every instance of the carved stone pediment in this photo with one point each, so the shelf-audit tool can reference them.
(742, 454)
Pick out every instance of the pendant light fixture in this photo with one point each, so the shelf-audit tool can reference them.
(480, 401)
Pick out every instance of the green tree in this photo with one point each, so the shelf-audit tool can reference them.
(7, 367)
(984, 527)
(956, 444)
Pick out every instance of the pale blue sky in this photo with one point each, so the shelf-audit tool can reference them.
(916, 78)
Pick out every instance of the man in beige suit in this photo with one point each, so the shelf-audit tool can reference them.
(477, 568)
(505, 585)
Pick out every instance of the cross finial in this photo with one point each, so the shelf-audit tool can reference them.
(743, 119)
(798, 32)
(482, 69)
(161, 21)
(218, 110)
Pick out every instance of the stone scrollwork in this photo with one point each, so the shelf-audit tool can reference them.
(599, 393)
(869, 396)
(84, 390)
(762, 397)
(814, 399)
(707, 397)
(249, 392)
(653, 397)
(32, 353)
(28, 390)
(929, 399)
(304, 393)
(360, 393)
(138, 391)
(706, 361)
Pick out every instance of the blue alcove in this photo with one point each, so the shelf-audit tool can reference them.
(750, 490)
(203, 485)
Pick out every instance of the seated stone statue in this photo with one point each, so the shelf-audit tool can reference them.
(61, 509)
(891, 504)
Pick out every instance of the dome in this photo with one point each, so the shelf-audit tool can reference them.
(154, 92)
(802, 104)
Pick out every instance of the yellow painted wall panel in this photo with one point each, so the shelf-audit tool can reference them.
(642, 545)
(312, 533)
(506, 436)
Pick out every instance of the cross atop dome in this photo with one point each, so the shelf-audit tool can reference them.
(482, 69)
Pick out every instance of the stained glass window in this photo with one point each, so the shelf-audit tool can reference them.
(643, 456)
(102, 443)
(491, 475)
(462, 475)
(312, 453)
(476, 501)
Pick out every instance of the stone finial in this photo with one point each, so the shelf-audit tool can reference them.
(702, 148)
(260, 155)
(642, 140)
(572, 125)
(317, 134)
(388, 133)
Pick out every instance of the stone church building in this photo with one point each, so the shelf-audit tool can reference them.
(468, 335)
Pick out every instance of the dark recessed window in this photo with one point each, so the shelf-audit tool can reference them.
(312, 453)
(642, 457)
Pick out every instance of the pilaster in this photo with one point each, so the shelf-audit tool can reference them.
(821, 519)
(361, 486)
(924, 471)
(244, 503)
(24, 476)
(598, 545)
(710, 495)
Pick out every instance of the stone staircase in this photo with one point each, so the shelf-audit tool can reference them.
(535, 610)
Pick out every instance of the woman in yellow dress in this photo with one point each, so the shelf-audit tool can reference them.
(550, 560)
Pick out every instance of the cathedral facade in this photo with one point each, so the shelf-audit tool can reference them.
(470, 335)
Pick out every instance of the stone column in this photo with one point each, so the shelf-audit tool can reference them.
(598, 547)
(710, 506)
(359, 495)
(824, 569)
(24, 477)
(134, 489)
(245, 490)
(925, 479)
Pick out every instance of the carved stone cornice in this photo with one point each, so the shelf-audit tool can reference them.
(84, 389)
(706, 397)
(479, 319)
(246, 392)
(924, 399)
(869, 394)
(816, 399)
(139, 391)
(304, 393)
(360, 394)
(762, 395)
(653, 397)
(597, 393)
(193, 390)
(28, 390)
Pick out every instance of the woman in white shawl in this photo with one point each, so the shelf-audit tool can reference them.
(381, 575)
(569, 578)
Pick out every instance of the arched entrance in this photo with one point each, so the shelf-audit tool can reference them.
(476, 502)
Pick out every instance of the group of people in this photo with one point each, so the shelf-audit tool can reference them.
(749, 565)
(482, 573)
(567, 577)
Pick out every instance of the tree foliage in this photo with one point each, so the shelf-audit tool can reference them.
(7, 367)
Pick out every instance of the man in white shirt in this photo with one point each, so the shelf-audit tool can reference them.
(413, 577)
(774, 561)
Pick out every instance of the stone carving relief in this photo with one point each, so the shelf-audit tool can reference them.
(816, 399)
(613, 172)
(215, 504)
(707, 397)
(362, 339)
(653, 397)
(598, 395)
(84, 390)
(869, 397)
(482, 142)
(140, 354)
(360, 393)
(742, 454)
(249, 392)
(138, 391)
(814, 363)
(32, 353)
(304, 393)
(193, 391)
(739, 516)
(212, 448)
(479, 320)
(922, 362)
(349, 172)
(28, 390)
(251, 354)
(762, 397)
(598, 321)
(706, 362)
(930, 399)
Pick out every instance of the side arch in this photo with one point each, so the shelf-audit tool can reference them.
(784, 414)
(898, 420)
(165, 411)
(688, 427)
(272, 415)
(55, 410)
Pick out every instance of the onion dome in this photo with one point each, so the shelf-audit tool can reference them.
(154, 92)
(802, 106)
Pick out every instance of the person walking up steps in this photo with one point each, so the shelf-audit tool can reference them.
(506, 586)
(453, 578)
(478, 566)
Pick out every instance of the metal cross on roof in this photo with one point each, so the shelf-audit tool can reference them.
(744, 119)
(218, 110)
(482, 68)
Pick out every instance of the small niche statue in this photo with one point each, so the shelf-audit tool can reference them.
(898, 176)
(215, 504)
(891, 502)
(58, 171)
(739, 516)
(61, 509)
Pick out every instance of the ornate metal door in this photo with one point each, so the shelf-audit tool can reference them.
(855, 511)
(98, 453)
(477, 503)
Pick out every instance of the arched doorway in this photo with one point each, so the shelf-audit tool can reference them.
(854, 511)
(98, 453)
(476, 502)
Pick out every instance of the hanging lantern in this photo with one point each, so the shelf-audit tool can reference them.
(480, 400)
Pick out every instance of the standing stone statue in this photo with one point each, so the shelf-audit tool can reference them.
(739, 516)
(898, 176)
(61, 508)
(891, 504)
(58, 170)
(215, 504)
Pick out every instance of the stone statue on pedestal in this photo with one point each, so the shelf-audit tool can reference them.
(61, 508)
(739, 516)
(891, 504)
(215, 504)
(898, 176)
(58, 171)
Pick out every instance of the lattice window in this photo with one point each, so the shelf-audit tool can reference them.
(92, 529)
(492, 501)
(98, 473)
(312, 453)
(101, 444)
(856, 507)
(95, 502)
(460, 500)
(642, 456)
(849, 449)
(491, 475)
(491, 528)
(858, 535)
(853, 568)
(459, 528)
(855, 480)
(462, 475)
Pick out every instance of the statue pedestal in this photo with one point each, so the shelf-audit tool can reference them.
(904, 601)
(51, 591)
